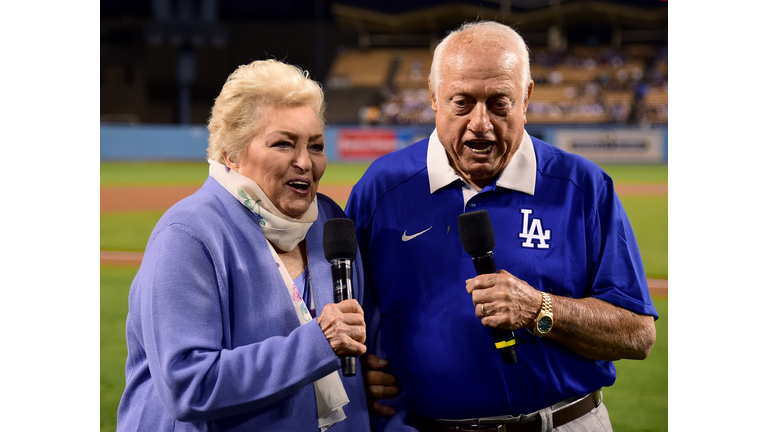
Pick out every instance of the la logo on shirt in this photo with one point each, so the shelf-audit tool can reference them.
(532, 230)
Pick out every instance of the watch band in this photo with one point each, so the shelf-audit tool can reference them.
(545, 319)
(546, 303)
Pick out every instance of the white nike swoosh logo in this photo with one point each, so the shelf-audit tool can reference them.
(407, 237)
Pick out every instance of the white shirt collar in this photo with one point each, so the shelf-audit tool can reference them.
(519, 174)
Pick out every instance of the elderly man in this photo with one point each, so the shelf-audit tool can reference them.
(564, 246)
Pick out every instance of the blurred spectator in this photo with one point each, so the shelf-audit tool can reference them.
(417, 70)
(555, 77)
(408, 107)
(370, 115)
(582, 98)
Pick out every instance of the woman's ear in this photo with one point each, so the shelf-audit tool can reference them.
(231, 165)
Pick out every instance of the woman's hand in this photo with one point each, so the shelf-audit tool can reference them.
(344, 326)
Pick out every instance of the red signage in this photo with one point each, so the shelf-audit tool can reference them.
(365, 144)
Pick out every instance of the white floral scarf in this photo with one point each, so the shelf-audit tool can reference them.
(284, 231)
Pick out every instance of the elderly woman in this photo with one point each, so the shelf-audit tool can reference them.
(221, 331)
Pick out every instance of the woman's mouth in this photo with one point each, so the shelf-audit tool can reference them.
(480, 147)
(300, 186)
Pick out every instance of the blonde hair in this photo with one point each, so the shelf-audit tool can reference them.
(489, 32)
(238, 111)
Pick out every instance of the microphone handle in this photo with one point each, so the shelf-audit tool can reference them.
(505, 339)
(484, 264)
(341, 272)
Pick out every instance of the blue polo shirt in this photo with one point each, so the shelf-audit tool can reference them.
(558, 225)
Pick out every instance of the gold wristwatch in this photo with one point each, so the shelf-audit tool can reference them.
(543, 322)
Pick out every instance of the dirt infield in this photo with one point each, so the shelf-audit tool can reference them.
(154, 198)
(115, 199)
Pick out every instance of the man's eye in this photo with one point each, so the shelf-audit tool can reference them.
(461, 105)
(501, 103)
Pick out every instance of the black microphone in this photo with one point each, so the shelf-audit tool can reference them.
(340, 247)
(476, 234)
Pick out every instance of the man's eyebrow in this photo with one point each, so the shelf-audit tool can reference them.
(502, 91)
(458, 90)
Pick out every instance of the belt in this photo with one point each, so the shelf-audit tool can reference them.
(560, 416)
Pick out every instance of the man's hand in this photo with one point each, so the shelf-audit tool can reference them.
(378, 385)
(344, 326)
(589, 326)
(503, 301)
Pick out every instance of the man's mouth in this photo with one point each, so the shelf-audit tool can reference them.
(480, 147)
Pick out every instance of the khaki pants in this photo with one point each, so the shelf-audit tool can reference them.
(594, 421)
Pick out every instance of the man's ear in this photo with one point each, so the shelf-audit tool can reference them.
(527, 100)
(433, 98)
(528, 95)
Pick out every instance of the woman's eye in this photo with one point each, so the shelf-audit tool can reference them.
(282, 144)
(317, 147)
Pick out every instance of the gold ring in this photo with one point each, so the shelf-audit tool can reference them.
(482, 308)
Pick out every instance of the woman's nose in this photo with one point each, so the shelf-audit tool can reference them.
(301, 159)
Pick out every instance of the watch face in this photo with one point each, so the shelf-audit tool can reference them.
(544, 324)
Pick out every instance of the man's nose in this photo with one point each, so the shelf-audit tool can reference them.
(480, 123)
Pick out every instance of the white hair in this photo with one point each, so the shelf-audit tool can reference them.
(488, 32)
(237, 113)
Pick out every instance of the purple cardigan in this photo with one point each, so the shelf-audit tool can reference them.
(213, 339)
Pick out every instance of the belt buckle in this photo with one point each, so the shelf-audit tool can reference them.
(501, 428)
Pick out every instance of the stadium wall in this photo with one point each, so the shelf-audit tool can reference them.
(600, 143)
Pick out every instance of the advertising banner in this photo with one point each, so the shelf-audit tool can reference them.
(613, 145)
(365, 144)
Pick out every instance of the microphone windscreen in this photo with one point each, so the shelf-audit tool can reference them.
(476, 232)
(339, 239)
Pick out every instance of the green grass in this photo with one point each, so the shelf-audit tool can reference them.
(637, 173)
(195, 173)
(637, 402)
(127, 231)
(192, 173)
(153, 173)
(343, 173)
(648, 216)
(115, 284)
(130, 230)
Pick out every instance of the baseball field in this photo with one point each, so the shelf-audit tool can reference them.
(135, 195)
